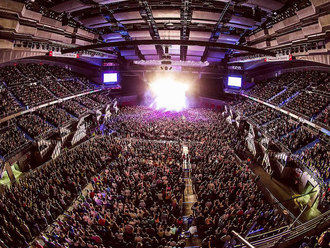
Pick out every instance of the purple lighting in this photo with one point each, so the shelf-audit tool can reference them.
(168, 94)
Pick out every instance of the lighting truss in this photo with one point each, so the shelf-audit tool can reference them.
(173, 63)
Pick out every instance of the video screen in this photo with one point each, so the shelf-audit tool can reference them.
(234, 81)
(110, 77)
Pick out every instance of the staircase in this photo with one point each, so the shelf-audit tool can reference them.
(273, 97)
(288, 99)
(189, 199)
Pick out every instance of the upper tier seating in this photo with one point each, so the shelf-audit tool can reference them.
(34, 125)
(29, 85)
(8, 104)
(304, 92)
(11, 138)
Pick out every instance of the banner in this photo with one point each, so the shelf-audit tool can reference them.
(115, 103)
(236, 67)
(59, 54)
(264, 143)
(79, 134)
(107, 108)
(238, 118)
(251, 131)
(282, 158)
(279, 58)
(64, 133)
(98, 115)
(251, 144)
(265, 163)
(43, 147)
(81, 120)
(57, 150)
(107, 115)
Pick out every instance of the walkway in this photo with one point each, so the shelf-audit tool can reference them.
(283, 193)
(190, 199)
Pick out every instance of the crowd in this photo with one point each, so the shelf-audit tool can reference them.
(323, 86)
(281, 127)
(43, 194)
(135, 194)
(297, 91)
(11, 138)
(303, 93)
(34, 71)
(316, 241)
(309, 104)
(32, 94)
(298, 139)
(75, 85)
(141, 122)
(323, 118)
(32, 84)
(269, 88)
(55, 115)
(8, 105)
(317, 159)
(34, 126)
(56, 88)
(228, 196)
(248, 108)
(89, 103)
(266, 116)
(101, 97)
(229, 199)
(73, 107)
(59, 72)
(134, 203)
(11, 76)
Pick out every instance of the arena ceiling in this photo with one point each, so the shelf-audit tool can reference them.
(130, 24)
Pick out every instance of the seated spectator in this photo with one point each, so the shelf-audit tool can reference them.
(11, 138)
(34, 125)
(55, 115)
(8, 104)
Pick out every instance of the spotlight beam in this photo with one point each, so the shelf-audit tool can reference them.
(169, 94)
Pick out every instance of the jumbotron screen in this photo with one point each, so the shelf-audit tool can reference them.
(235, 81)
(110, 77)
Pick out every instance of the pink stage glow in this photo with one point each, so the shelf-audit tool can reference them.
(169, 94)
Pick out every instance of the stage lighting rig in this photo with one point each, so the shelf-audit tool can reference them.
(166, 63)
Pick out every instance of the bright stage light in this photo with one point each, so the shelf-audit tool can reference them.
(169, 94)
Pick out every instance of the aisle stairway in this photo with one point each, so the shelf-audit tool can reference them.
(190, 199)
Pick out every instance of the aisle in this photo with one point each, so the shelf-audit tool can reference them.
(190, 199)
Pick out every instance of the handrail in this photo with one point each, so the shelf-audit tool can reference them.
(287, 235)
(9, 117)
(243, 240)
(300, 119)
(270, 194)
(303, 120)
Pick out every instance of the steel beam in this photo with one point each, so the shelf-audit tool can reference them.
(217, 28)
(170, 42)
